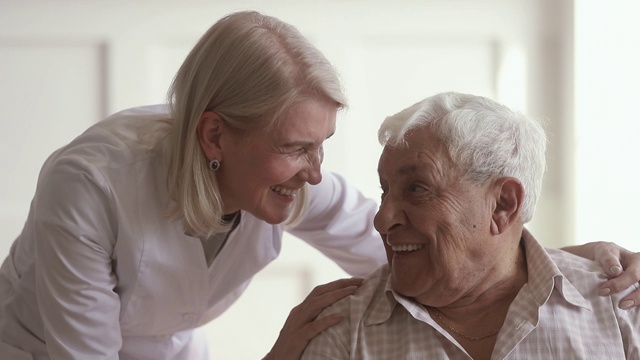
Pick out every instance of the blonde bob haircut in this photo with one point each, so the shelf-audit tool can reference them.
(250, 69)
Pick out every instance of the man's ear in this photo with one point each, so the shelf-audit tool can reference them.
(509, 194)
(209, 130)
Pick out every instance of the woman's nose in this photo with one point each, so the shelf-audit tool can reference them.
(314, 173)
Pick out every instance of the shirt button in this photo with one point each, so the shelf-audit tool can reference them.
(190, 317)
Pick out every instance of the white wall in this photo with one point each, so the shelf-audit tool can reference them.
(607, 126)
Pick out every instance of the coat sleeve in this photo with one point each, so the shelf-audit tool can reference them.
(75, 282)
(339, 223)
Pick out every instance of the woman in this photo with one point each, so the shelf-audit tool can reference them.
(152, 222)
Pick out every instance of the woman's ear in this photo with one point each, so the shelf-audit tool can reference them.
(209, 130)
(509, 194)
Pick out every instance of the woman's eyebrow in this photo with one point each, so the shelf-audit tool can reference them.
(304, 142)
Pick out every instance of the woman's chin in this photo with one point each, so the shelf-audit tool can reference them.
(273, 218)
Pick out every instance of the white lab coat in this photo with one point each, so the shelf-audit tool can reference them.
(98, 272)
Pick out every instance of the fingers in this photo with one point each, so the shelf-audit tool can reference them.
(325, 295)
(322, 324)
(620, 283)
(291, 344)
(302, 325)
(608, 255)
(611, 266)
(335, 285)
(629, 277)
(631, 301)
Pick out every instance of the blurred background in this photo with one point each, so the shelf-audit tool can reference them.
(66, 64)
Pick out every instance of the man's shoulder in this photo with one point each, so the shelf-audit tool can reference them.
(371, 290)
(584, 274)
(569, 261)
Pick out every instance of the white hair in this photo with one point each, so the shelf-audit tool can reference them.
(485, 139)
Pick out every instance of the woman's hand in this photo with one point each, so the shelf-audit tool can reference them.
(620, 264)
(301, 325)
(623, 266)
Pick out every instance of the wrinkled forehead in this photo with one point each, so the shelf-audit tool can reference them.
(422, 150)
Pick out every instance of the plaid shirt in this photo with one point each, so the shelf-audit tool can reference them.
(556, 315)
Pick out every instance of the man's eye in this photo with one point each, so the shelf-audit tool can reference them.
(383, 192)
(417, 188)
(414, 188)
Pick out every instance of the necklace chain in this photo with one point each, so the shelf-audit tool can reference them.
(472, 338)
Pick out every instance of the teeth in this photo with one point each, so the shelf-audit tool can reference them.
(406, 247)
(282, 191)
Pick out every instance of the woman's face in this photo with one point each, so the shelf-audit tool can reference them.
(434, 222)
(262, 171)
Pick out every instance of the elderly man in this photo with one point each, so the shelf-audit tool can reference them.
(460, 176)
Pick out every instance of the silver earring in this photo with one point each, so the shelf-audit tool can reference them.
(214, 165)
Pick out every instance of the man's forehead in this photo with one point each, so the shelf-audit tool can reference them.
(422, 156)
(411, 161)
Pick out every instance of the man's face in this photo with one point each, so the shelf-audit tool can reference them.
(435, 222)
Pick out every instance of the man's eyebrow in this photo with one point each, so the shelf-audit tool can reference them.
(407, 170)
(410, 169)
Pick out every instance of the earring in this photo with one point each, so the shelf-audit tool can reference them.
(214, 165)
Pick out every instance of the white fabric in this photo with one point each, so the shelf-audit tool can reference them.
(98, 273)
(556, 315)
